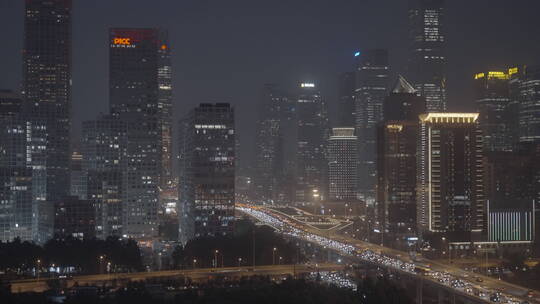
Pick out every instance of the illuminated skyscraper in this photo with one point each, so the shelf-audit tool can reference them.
(269, 144)
(140, 96)
(450, 190)
(346, 88)
(397, 138)
(342, 165)
(312, 128)
(104, 166)
(427, 52)
(372, 82)
(47, 93)
(207, 169)
(525, 89)
(498, 113)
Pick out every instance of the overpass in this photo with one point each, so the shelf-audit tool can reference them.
(462, 285)
(197, 274)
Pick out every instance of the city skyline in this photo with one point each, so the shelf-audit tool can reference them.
(384, 27)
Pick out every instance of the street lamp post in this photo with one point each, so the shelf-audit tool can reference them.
(274, 256)
(239, 261)
(194, 263)
(100, 263)
(38, 266)
(215, 258)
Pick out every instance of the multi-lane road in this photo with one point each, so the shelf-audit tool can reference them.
(468, 284)
(194, 274)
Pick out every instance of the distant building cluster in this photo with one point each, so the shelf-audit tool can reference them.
(419, 170)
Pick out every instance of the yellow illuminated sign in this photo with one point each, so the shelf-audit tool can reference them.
(123, 41)
(479, 75)
(497, 75)
(449, 117)
(512, 71)
(398, 128)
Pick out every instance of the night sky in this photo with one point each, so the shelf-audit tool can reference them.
(224, 51)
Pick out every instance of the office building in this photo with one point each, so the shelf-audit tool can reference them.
(47, 94)
(207, 168)
(346, 88)
(498, 114)
(525, 89)
(513, 222)
(450, 190)
(342, 161)
(427, 56)
(268, 165)
(104, 165)
(74, 218)
(312, 135)
(139, 95)
(372, 82)
(397, 138)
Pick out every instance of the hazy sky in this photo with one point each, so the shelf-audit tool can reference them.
(226, 50)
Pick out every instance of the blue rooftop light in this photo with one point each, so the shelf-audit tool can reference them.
(356, 54)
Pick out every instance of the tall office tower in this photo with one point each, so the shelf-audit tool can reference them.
(269, 144)
(342, 165)
(372, 82)
(312, 128)
(450, 190)
(137, 97)
(396, 161)
(525, 88)
(165, 108)
(78, 176)
(427, 52)
(47, 93)
(16, 220)
(498, 115)
(75, 218)
(207, 189)
(104, 165)
(347, 110)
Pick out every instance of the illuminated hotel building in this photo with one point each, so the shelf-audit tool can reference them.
(450, 190)
(312, 136)
(427, 52)
(47, 93)
(207, 172)
(342, 161)
(372, 82)
(139, 95)
(498, 114)
(397, 138)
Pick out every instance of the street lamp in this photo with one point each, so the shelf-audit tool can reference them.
(101, 257)
(38, 262)
(239, 261)
(194, 263)
(274, 256)
(280, 258)
(215, 258)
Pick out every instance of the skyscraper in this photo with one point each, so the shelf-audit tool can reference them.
(372, 82)
(498, 114)
(207, 157)
(312, 128)
(139, 95)
(47, 93)
(525, 88)
(396, 160)
(346, 88)
(269, 144)
(342, 161)
(450, 190)
(104, 166)
(427, 52)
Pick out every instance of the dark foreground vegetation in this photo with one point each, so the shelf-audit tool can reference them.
(260, 290)
(249, 241)
(70, 255)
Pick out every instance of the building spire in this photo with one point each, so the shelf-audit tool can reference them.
(403, 86)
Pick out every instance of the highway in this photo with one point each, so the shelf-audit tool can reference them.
(469, 284)
(34, 285)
